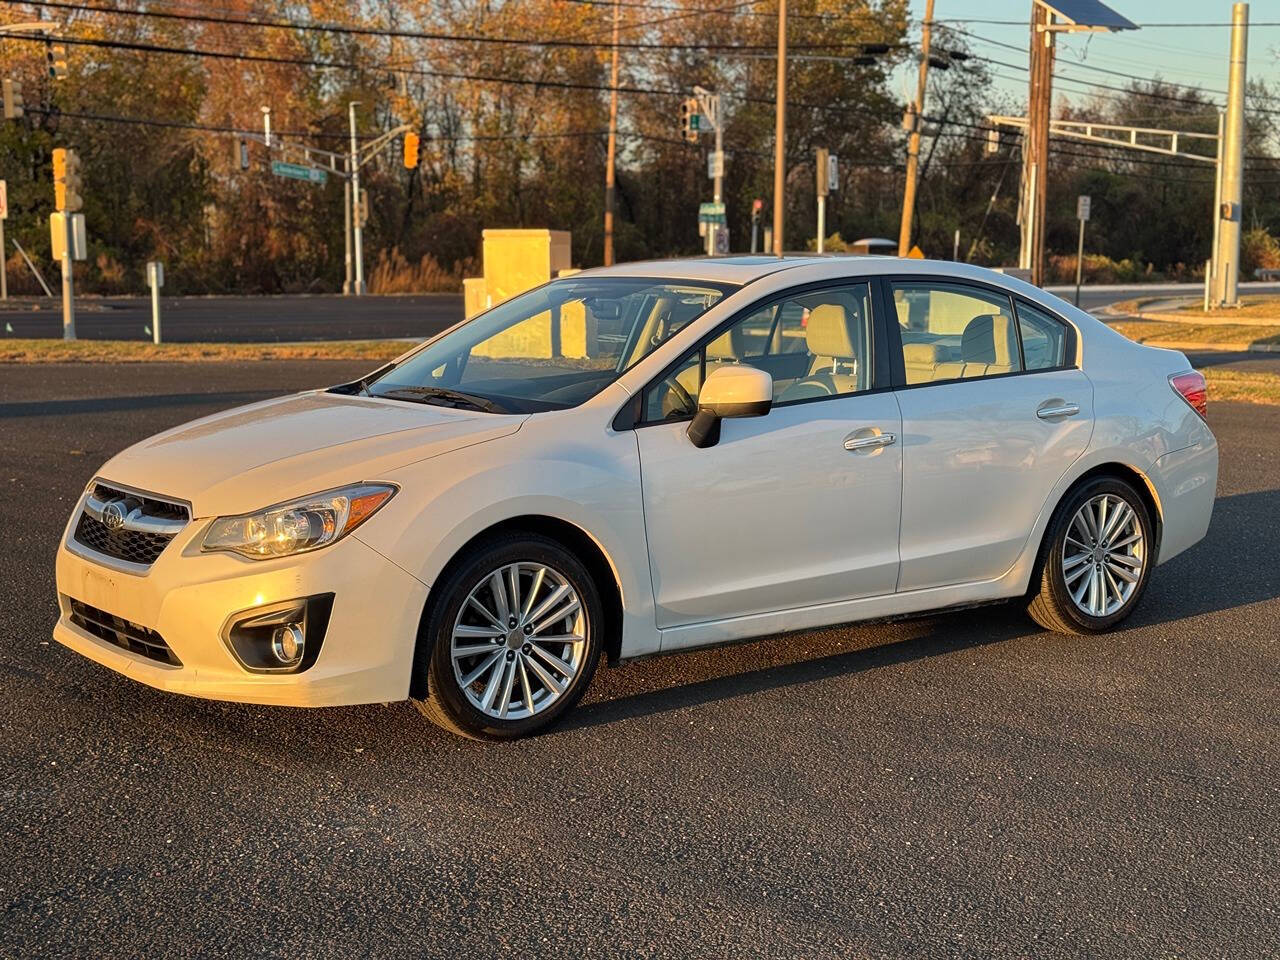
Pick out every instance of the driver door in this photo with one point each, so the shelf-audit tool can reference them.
(787, 510)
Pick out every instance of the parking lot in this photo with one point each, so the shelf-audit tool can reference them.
(956, 785)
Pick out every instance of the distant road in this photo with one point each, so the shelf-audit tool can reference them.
(242, 319)
(332, 317)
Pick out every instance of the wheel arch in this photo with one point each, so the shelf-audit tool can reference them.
(1111, 468)
(599, 565)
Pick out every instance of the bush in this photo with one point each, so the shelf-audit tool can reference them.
(394, 274)
(1258, 250)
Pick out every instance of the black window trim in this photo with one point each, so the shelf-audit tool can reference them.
(885, 282)
(630, 417)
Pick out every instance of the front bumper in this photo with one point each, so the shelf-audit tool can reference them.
(187, 597)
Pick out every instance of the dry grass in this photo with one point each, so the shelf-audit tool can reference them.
(1243, 385)
(1160, 331)
(1256, 307)
(132, 351)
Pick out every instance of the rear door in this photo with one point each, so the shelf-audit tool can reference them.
(994, 412)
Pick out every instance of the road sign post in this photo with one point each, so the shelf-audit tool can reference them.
(155, 278)
(757, 208)
(1083, 205)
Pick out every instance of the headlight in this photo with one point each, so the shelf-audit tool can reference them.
(307, 523)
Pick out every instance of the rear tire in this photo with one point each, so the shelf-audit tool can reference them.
(1097, 558)
(512, 639)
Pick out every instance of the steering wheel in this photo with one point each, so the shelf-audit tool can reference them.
(674, 388)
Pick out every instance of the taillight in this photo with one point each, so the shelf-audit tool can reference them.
(1192, 388)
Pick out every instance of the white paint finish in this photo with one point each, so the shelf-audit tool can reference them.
(777, 514)
(736, 384)
(776, 527)
(978, 465)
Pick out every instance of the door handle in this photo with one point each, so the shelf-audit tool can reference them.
(1057, 411)
(867, 443)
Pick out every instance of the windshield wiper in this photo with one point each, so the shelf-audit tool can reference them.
(445, 396)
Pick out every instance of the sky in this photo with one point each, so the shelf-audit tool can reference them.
(1194, 55)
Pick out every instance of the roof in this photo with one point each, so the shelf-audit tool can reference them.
(736, 270)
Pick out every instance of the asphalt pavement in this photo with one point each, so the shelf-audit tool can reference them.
(333, 317)
(960, 785)
(240, 319)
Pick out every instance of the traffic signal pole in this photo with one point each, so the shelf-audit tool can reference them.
(1227, 254)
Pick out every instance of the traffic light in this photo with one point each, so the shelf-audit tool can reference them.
(55, 55)
(690, 121)
(242, 154)
(66, 180)
(362, 207)
(13, 99)
(410, 150)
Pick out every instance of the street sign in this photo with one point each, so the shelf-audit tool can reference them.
(711, 213)
(833, 173)
(820, 165)
(297, 171)
(1083, 203)
(715, 164)
(4, 205)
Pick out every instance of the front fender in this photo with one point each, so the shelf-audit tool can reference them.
(561, 466)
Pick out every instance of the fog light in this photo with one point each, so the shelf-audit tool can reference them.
(281, 637)
(287, 643)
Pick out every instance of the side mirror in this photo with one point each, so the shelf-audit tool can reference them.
(734, 390)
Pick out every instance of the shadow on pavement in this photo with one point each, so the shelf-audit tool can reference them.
(1203, 580)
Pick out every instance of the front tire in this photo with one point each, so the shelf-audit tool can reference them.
(514, 639)
(1098, 555)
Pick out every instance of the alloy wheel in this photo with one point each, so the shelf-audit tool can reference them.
(519, 640)
(1103, 555)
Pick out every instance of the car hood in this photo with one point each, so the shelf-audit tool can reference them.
(251, 457)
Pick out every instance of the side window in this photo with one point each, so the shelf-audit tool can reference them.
(953, 332)
(816, 344)
(1044, 338)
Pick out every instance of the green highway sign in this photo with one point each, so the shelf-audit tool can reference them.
(296, 171)
(711, 213)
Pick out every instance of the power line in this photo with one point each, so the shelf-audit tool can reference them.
(387, 32)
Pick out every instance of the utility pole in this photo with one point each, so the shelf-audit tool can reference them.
(1227, 253)
(820, 167)
(913, 142)
(357, 251)
(1035, 147)
(610, 177)
(780, 134)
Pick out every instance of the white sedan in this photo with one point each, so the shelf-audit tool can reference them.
(639, 460)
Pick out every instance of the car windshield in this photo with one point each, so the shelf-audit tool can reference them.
(554, 347)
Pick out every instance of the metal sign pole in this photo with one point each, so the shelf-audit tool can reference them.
(68, 286)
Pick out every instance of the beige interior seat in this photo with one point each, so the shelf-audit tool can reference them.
(729, 347)
(833, 342)
(988, 347)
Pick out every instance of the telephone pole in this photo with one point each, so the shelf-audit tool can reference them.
(610, 175)
(1227, 252)
(1036, 145)
(913, 142)
(780, 135)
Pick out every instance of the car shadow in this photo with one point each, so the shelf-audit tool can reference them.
(1205, 579)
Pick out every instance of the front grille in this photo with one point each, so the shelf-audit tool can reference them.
(148, 525)
(125, 634)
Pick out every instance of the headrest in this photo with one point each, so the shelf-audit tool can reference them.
(988, 339)
(923, 353)
(729, 345)
(828, 334)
